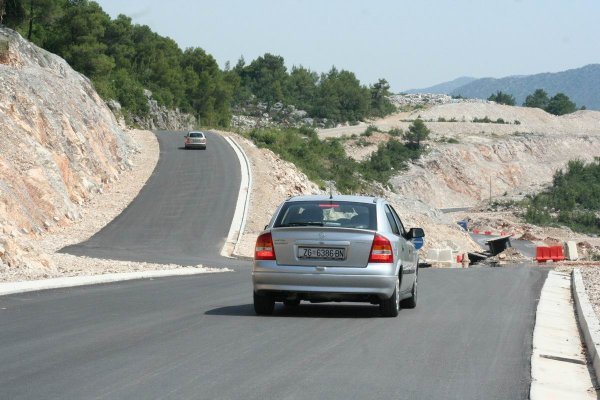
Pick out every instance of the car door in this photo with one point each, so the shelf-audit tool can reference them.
(411, 255)
(402, 248)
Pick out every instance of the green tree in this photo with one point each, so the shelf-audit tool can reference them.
(12, 13)
(538, 99)
(266, 78)
(380, 101)
(417, 132)
(80, 40)
(560, 104)
(301, 87)
(502, 98)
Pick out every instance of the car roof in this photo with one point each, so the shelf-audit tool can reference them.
(195, 132)
(339, 197)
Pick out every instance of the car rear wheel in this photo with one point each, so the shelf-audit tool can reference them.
(390, 307)
(411, 302)
(263, 304)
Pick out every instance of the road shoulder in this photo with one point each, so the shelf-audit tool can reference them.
(558, 363)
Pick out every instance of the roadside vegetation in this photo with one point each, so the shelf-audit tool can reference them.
(326, 160)
(573, 199)
(122, 59)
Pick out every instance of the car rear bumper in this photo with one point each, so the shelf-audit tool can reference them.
(373, 280)
(196, 145)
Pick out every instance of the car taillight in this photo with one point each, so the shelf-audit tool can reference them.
(264, 247)
(381, 250)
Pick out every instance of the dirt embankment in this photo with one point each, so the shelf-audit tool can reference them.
(274, 180)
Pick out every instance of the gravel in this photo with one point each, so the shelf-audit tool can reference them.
(591, 280)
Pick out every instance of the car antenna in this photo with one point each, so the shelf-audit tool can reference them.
(330, 190)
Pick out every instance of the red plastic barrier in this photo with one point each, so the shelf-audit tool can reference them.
(557, 253)
(503, 233)
(487, 233)
(476, 231)
(542, 254)
(459, 258)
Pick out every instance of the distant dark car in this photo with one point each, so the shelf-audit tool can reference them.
(195, 140)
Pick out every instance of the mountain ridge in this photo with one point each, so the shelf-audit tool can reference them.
(582, 85)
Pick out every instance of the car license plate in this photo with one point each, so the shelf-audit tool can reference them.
(322, 253)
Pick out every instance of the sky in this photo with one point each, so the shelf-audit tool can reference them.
(412, 44)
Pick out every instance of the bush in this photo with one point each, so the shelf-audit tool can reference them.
(396, 132)
(574, 199)
(560, 104)
(502, 98)
(417, 132)
(369, 131)
(389, 158)
(326, 160)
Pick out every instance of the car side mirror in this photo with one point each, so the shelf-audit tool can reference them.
(415, 233)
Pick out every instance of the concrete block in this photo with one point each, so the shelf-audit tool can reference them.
(572, 253)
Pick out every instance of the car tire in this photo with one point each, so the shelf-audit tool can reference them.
(204, 148)
(291, 303)
(263, 304)
(390, 307)
(411, 302)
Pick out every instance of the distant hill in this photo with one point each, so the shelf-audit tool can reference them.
(443, 88)
(582, 85)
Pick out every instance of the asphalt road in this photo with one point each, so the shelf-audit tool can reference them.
(183, 213)
(198, 338)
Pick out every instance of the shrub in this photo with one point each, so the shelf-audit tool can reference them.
(369, 131)
(396, 132)
(417, 132)
(574, 196)
(502, 98)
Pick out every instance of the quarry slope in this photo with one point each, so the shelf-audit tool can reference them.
(518, 156)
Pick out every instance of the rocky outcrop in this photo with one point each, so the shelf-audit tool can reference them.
(428, 99)
(158, 117)
(254, 114)
(59, 143)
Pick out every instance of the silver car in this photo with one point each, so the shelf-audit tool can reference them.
(336, 248)
(195, 139)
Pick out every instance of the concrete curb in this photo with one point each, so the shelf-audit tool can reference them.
(57, 283)
(587, 320)
(238, 223)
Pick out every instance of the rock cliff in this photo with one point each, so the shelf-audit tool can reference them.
(59, 143)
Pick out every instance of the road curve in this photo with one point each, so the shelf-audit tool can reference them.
(197, 337)
(183, 213)
(470, 337)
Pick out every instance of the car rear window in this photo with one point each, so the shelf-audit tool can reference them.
(332, 213)
(196, 134)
